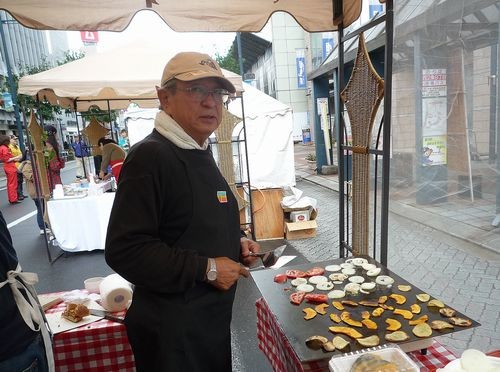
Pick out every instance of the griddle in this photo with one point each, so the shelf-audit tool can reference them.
(296, 329)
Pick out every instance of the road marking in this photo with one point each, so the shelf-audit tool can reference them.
(19, 220)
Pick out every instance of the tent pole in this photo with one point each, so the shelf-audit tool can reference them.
(80, 137)
(248, 169)
(110, 123)
(386, 159)
(340, 144)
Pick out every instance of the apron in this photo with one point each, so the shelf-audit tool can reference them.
(30, 309)
(116, 168)
(191, 330)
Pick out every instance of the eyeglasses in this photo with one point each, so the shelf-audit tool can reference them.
(200, 93)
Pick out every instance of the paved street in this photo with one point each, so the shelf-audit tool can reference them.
(459, 272)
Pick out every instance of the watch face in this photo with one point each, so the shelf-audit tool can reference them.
(212, 275)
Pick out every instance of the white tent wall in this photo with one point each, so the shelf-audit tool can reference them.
(139, 122)
(269, 129)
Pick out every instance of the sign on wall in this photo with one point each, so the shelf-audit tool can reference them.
(300, 61)
(89, 37)
(327, 43)
(434, 117)
(375, 8)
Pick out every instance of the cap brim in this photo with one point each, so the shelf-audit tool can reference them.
(196, 75)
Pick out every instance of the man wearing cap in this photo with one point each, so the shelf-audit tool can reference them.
(174, 228)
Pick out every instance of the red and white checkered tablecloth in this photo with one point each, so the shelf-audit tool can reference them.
(279, 352)
(98, 346)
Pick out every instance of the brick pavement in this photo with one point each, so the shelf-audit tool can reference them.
(458, 272)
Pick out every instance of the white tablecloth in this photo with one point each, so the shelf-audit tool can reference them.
(80, 224)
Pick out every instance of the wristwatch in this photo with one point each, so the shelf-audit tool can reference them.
(212, 272)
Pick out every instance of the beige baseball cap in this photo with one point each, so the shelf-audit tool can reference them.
(189, 66)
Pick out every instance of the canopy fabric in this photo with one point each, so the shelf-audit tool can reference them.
(121, 75)
(190, 15)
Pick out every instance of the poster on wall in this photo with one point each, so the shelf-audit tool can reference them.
(322, 105)
(434, 116)
(434, 83)
(300, 61)
(327, 43)
(434, 150)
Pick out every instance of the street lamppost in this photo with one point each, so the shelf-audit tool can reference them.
(12, 87)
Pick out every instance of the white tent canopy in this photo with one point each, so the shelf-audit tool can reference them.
(122, 75)
(269, 129)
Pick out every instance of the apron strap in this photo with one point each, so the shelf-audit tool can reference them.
(116, 164)
(30, 310)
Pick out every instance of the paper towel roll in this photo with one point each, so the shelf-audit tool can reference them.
(116, 293)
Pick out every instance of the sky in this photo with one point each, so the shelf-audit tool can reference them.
(146, 25)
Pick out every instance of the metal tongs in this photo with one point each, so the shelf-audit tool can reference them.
(268, 258)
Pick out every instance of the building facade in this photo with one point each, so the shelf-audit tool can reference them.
(26, 48)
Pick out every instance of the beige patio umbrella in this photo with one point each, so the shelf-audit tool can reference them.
(190, 15)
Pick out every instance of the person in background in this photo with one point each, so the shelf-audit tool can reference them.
(174, 230)
(123, 140)
(23, 339)
(9, 166)
(55, 163)
(26, 169)
(112, 155)
(16, 152)
(81, 152)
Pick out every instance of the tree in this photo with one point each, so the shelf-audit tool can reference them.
(228, 61)
(44, 108)
(26, 103)
(70, 56)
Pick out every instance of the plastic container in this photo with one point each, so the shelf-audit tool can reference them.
(92, 284)
(390, 352)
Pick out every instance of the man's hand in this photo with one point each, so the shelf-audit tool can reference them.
(228, 272)
(248, 246)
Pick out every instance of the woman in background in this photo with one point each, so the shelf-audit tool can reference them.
(16, 152)
(31, 180)
(112, 155)
(55, 162)
(9, 166)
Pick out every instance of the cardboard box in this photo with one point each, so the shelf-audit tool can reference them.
(300, 230)
(299, 216)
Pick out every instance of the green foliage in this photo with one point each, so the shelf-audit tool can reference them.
(26, 103)
(228, 62)
(70, 56)
(101, 115)
(43, 107)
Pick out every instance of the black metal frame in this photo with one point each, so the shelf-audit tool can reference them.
(344, 226)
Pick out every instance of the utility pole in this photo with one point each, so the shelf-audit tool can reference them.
(12, 86)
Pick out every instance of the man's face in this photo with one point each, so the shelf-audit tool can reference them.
(198, 118)
(13, 141)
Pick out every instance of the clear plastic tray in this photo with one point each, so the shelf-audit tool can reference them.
(389, 352)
